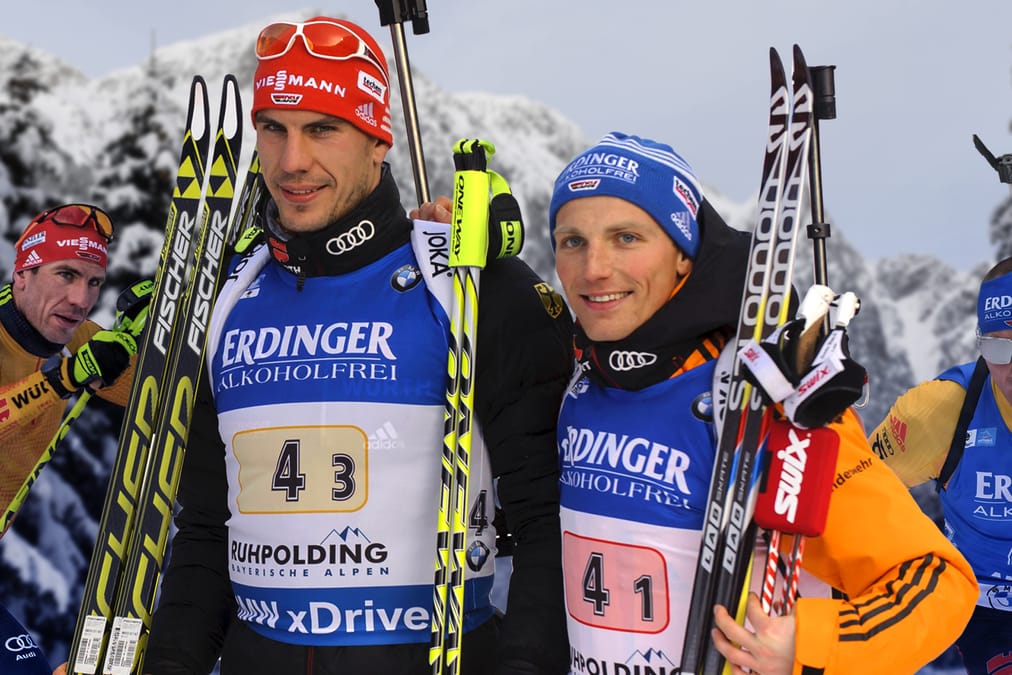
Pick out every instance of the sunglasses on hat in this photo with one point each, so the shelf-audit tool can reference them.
(323, 39)
(75, 215)
(995, 349)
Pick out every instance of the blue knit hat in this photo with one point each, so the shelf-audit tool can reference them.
(640, 171)
(994, 305)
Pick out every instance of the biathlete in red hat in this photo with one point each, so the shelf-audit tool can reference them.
(310, 490)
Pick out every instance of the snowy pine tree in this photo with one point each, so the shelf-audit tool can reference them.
(32, 165)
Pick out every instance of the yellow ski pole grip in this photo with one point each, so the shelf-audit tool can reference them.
(471, 185)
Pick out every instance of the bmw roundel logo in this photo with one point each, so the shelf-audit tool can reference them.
(477, 554)
(702, 407)
(405, 278)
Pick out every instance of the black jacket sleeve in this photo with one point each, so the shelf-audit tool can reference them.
(524, 362)
(196, 601)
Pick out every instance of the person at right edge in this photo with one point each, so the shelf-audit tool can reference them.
(915, 439)
(307, 529)
(655, 281)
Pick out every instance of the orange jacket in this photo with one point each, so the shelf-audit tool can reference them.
(909, 591)
(30, 411)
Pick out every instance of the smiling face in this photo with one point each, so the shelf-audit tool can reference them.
(317, 167)
(56, 297)
(617, 266)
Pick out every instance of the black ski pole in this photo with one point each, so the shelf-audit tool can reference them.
(394, 13)
(1003, 164)
(824, 87)
(824, 108)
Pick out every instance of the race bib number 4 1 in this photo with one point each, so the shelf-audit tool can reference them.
(616, 586)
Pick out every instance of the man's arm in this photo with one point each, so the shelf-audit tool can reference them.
(196, 602)
(914, 437)
(525, 360)
(909, 591)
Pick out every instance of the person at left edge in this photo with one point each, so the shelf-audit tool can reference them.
(309, 492)
(50, 350)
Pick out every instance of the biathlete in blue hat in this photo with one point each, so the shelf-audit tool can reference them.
(957, 430)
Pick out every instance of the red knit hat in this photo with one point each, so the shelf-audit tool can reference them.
(68, 232)
(326, 65)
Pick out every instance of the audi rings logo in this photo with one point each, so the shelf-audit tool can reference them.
(351, 239)
(620, 361)
(20, 643)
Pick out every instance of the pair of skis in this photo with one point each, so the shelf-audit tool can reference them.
(472, 243)
(119, 593)
(729, 532)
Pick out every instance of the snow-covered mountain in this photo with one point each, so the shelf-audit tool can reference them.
(114, 140)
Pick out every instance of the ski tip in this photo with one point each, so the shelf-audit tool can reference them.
(799, 57)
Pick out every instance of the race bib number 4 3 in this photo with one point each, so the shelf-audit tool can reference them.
(318, 469)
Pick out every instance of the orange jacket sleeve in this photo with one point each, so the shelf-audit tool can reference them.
(31, 412)
(909, 591)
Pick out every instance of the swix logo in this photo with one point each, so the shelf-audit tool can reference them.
(365, 113)
(794, 458)
(372, 86)
(586, 184)
(813, 380)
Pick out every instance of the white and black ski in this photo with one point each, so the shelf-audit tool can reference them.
(728, 534)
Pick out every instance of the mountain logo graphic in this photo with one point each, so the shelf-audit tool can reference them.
(345, 534)
(650, 657)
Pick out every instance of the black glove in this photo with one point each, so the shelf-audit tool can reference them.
(102, 359)
(132, 307)
(814, 391)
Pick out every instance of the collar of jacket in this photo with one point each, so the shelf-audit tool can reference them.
(374, 228)
(23, 332)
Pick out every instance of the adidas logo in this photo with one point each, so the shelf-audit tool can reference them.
(385, 438)
(365, 113)
(33, 258)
